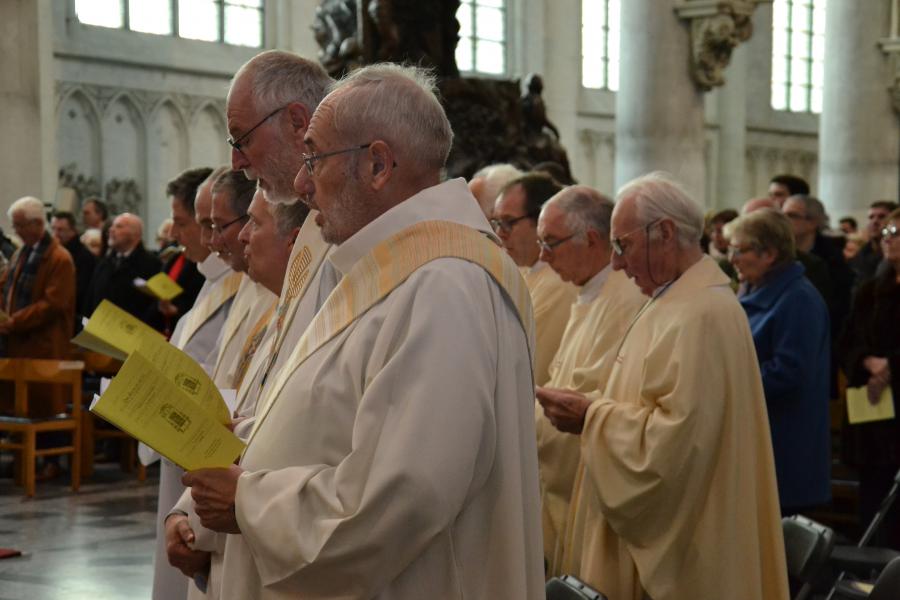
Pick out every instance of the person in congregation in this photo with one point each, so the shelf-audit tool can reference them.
(198, 334)
(791, 332)
(269, 105)
(93, 241)
(375, 478)
(676, 493)
(782, 187)
(871, 359)
(114, 275)
(573, 233)
(267, 238)
(95, 215)
(63, 227)
(38, 298)
(866, 262)
(253, 304)
(515, 222)
(487, 182)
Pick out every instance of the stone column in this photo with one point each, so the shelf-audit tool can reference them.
(859, 133)
(659, 108)
(27, 121)
(731, 181)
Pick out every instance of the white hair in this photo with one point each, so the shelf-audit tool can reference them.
(397, 104)
(658, 196)
(31, 207)
(585, 209)
(495, 179)
(279, 78)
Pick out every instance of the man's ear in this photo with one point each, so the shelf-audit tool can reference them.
(667, 230)
(593, 237)
(381, 158)
(300, 116)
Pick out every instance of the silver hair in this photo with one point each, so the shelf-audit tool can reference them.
(397, 104)
(585, 209)
(287, 216)
(815, 210)
(495, 178)
(279, 78)
(658, 196)
(31, 207)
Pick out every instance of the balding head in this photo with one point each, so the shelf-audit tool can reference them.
(758, 204)
(125, 232)
(487, 183)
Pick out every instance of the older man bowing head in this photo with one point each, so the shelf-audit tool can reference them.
(573, 235)
(377, 478)
(677, 485)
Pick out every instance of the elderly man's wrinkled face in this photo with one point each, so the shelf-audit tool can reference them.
(226, 227)
(265, 249)
(640, 252)
(515, 227)
(801, 223)
(268, 153)
(560, 249)
(124, 234)
(30, 230)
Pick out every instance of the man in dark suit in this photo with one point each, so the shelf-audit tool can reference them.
(126, 260)
(63, 227)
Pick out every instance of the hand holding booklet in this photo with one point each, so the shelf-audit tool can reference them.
(165, 410)
(159, 286)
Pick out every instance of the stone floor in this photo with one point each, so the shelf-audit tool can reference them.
(96, 544)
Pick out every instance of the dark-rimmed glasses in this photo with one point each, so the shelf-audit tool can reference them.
(616, 242)
(238, 143)
(506, 225)
(310, 160)
(220, 229)
(548, 247)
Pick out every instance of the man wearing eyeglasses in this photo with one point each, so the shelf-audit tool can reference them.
(400, 462)
(515, 222)
(676, 488)
(573, 236)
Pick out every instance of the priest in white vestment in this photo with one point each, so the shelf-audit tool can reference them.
(198, 334)
(675, 496)
(573, 233)
(394, 458)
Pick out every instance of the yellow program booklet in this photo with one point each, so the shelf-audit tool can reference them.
(147, 404)
(159, 286)
(114, 332)
(860, 410)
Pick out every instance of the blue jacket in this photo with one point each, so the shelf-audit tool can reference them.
(791, 331)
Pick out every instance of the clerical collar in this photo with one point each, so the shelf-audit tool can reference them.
(590, 290)
(213, 267)
(537, 267)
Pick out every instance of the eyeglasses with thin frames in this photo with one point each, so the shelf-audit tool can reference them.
(506, 225)
(239, 143)
(548, 247)
(617, 246)
(310, 160)
(220, 229)
(889, 232)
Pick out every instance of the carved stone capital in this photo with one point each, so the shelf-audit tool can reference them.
(717, 27)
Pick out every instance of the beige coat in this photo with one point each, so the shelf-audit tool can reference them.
(676, 494)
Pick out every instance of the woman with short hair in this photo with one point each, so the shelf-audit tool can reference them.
(790, 327)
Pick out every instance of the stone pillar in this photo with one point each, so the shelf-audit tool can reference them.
(859, 133)
(27, 120)
(659, 108)
(731, 181)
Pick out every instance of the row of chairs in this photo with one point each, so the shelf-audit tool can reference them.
(78, 425)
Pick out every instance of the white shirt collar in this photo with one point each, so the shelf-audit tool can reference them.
(213, 267)
(591, 289)
(449, 201)
(537, 267)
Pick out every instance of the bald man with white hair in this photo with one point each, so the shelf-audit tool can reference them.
(675, 494)
(487, 183)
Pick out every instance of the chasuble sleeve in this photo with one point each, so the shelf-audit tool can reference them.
(649, 453)
(423, 441)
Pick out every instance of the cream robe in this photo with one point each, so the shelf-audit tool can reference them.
(298, 305)
(249, 307)
(676, 493)
(552, 297)
(398, 460)
(583, 362)
(201, 345)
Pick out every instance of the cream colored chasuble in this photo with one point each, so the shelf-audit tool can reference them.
(676, 492)
(583, 362)
(552, 298)
(247, 319)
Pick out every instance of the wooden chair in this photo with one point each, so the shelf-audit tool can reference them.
(105, 366)
(22, 371)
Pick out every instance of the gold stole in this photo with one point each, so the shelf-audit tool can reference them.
(241, 308)
(207, 307)
(251, 344)
(385, 267)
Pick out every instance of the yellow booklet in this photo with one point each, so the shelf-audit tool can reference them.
(860, 410)
(147, 404)
(159, 286)
(114, 332)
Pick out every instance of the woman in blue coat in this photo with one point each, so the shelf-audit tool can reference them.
(790, 326)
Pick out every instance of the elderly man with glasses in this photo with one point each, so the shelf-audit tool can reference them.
(515, 221)
(676, 487)
(573, 235)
